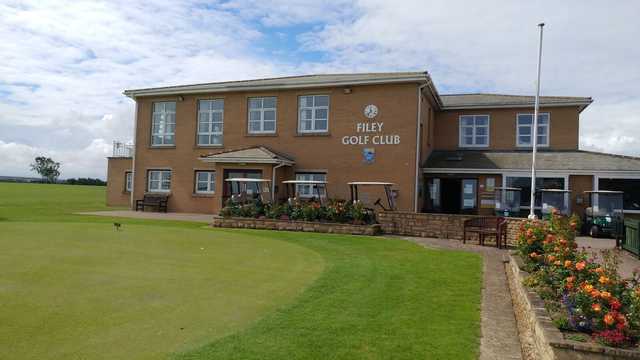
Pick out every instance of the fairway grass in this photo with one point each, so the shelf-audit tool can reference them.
(72, 287)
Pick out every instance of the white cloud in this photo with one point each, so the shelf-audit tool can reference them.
(65, 63)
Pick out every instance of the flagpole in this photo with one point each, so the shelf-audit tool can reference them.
(534, 140)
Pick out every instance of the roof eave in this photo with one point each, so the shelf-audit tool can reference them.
(191, 89)
(581, 104)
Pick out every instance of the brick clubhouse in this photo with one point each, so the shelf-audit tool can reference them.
(444, 152)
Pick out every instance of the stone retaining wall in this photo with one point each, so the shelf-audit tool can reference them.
(442, 226)
(287, 225)
(546, 341)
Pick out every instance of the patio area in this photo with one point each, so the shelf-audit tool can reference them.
(628, 261)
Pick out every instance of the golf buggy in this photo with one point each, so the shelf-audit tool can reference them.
(604, 215)
(246, 190)
(389, 192)
(313, 190)
(507, 201)
(557, 199)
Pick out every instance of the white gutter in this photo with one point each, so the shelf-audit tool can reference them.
(133, 157)
(244, 160)
(418, 133)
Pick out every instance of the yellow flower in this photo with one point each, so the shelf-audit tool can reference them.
(603, 280)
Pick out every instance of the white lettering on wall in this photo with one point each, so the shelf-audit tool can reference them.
(368, 128)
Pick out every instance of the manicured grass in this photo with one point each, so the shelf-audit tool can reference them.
(73, 287)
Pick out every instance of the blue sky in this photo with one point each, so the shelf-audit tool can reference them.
(66, 63)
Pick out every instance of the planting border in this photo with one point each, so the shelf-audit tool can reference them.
(547, 340)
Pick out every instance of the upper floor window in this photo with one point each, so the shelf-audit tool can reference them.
(262, 115)
(313, 113)
(128, 181)
(205, 182)
(163, 124)
(525, 129)
(308, 190)
(474, 130)
(159, 181)
(210, 122)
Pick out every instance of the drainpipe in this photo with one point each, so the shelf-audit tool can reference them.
(418, 133)
(273, 181)
(133, 156)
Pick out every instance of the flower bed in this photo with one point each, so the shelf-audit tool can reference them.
(585, 299)
(335, 211)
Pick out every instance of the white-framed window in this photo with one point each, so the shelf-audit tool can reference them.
(524, 129)
(313, 113)
(210, 122)
(307, 191)
(262, 115)
(163, 124)
(128, 181)
(159, 181)
(205, 182)
(474, 130)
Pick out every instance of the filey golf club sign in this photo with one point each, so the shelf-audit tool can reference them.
(370, 132)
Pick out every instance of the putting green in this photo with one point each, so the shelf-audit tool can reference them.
(87, 291)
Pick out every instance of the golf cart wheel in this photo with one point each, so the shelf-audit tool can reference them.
(594, 232)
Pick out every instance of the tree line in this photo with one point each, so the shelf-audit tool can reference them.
(49, 170)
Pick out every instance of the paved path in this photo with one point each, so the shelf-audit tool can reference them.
(205, 218)
(628, 261)
(498, 324)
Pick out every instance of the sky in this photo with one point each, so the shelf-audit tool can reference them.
(64, 64)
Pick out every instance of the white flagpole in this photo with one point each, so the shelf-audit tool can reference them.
(534, 139)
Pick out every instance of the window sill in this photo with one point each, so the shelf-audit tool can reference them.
(157, 193)
(162, 146)
(198, 195)
(209, 146)
(313, 134)
(261, 135)
(125, 192)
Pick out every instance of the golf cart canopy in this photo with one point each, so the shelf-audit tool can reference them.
(507, 200)
(318, 189)
(391, 202)
(245, 189)
(555, 199)
(371, 183)
(248, 180)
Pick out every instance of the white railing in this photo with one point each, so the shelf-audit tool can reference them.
(121, 149)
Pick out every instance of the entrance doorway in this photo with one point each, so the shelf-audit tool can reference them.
(452, 195)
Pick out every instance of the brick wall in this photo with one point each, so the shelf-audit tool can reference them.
(443, 226)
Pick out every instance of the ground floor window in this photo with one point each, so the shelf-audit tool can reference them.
(159, 181)
(307, 191)
(205, 182)
(128, 181)
(630, 187)
(524, 183)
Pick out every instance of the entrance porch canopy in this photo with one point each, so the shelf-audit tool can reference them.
(251, 155)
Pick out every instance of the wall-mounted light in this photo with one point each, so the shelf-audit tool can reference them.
(180, 98)
(347, 90)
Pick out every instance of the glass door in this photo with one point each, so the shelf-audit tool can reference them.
(469, 195)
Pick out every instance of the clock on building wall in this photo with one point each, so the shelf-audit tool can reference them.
(370, 111)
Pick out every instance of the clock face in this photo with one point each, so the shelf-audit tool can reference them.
(370, 111)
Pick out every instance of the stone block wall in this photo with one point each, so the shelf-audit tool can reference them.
(442, 226)
(306, 226)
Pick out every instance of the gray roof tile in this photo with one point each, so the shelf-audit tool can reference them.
(579, 160)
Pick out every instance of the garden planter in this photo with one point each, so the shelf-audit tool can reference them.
(547, 340)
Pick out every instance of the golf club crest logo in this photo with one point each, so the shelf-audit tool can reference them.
(368, 155)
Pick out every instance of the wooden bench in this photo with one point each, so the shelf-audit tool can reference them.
(487, 226)
(154, 200)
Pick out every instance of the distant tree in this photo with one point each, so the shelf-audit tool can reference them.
(86, 181)
(47, 168)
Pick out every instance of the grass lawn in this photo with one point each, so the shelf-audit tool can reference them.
(71, 287)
